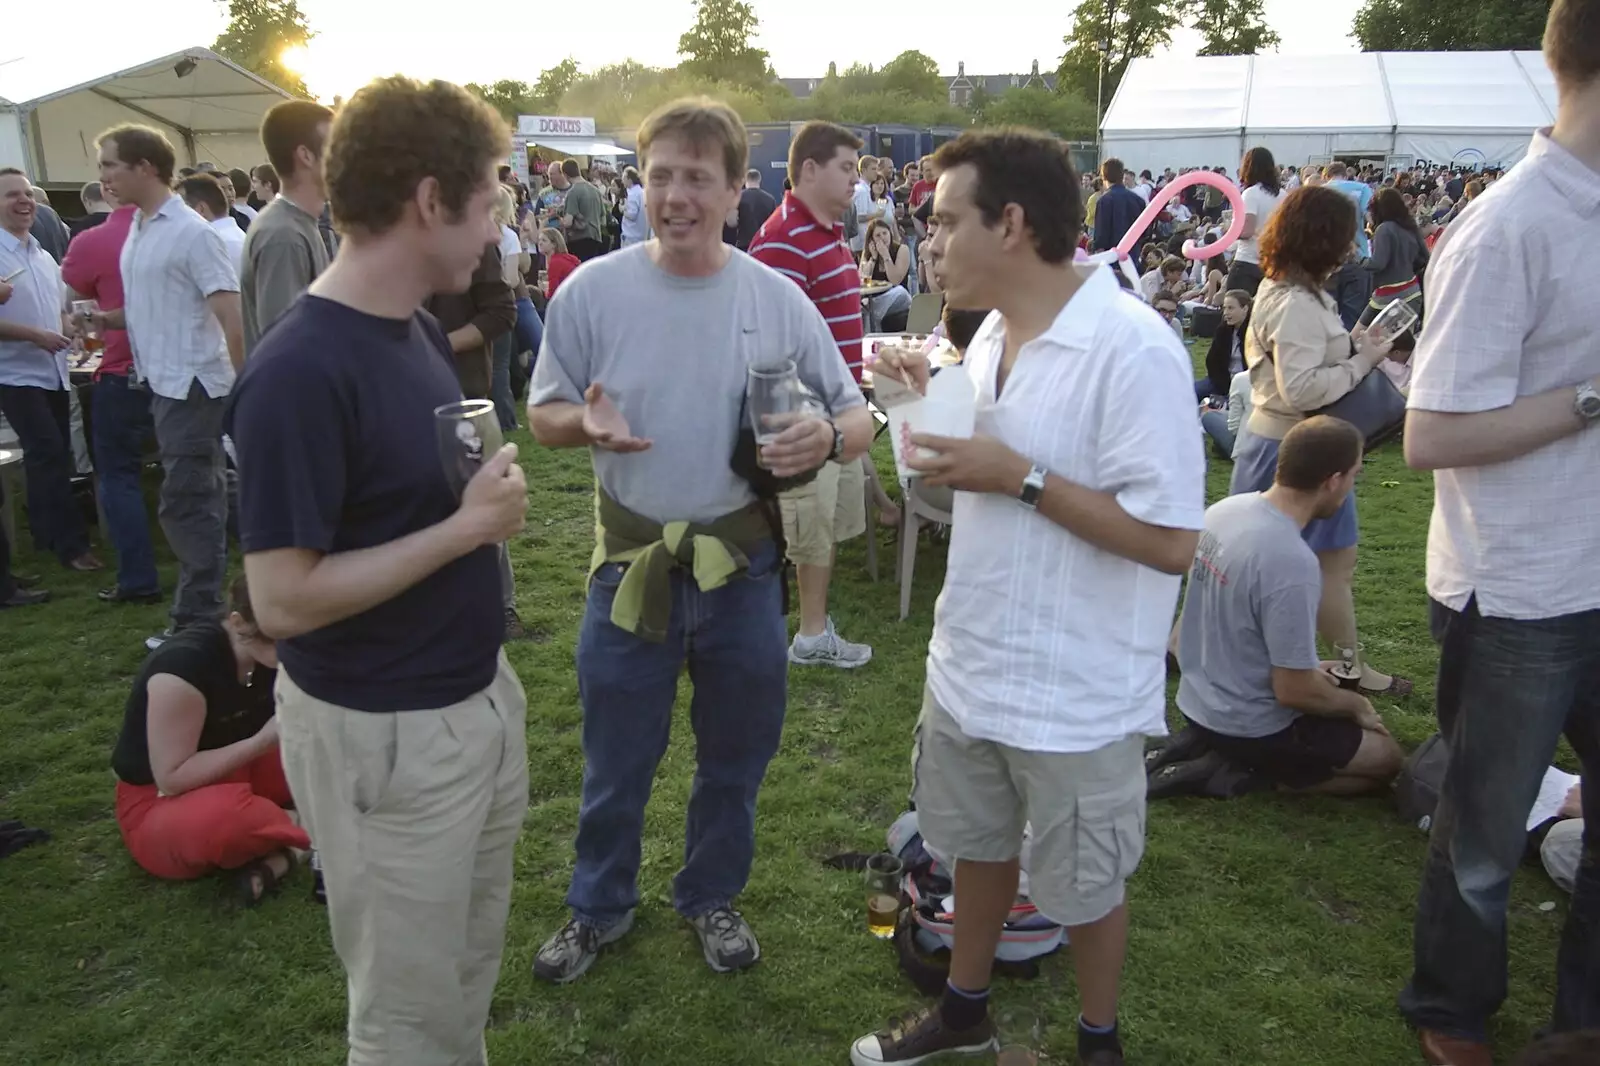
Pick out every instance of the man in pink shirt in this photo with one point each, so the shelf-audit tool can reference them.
(120, 423)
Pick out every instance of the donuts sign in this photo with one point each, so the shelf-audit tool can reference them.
(536, 126)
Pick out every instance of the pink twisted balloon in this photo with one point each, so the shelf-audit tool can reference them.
(1169, 193)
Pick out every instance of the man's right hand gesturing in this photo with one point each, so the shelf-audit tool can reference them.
(605, 426)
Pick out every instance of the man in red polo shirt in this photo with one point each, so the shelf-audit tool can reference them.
(121, 420)
(804, 240)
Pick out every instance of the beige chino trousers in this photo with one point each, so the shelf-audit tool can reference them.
(415, 815)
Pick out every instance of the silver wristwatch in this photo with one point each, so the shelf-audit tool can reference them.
(1587, 403)
(1033, 487)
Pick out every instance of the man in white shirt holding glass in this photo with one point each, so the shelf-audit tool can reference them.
(1078, 505)
(1505, 409)
(181, 312)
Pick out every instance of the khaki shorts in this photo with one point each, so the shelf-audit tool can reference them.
(1086, 811)
(830, 509)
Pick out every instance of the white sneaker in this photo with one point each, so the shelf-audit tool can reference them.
(828, 649)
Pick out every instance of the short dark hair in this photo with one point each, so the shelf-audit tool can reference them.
(239, 599)
(569, 167)
(1165, 296)
(819, 142)
(397, 131)
(288, 126)
(267, 174)
(961, 326)
(240, 180)
(1259, 168)
(13, 172)
(705, 124)
(1315, 450)
(1173, 264)
(91, 191)
(1031, 170)
(205, 189)
(752, 174)
(141, 144)
(1308, 237)
(188, 172)
(1572, 42)
(1112, 170)
(1334, 170)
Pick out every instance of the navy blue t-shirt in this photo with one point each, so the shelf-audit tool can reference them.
(333, 423)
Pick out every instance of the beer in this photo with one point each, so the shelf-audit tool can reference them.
(92, 343)
(882, 912)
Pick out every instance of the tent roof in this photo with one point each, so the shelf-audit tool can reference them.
(215, 96)
(1350, 92)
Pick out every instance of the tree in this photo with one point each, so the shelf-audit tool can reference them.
(510, 98)
(1233, 27)
(1128, 28)
(718, 46)
(553, 85)
(916, 75)
(1065, 115)
(1459, 25)
(259, 32)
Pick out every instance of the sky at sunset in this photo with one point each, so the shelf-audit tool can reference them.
(482, 40)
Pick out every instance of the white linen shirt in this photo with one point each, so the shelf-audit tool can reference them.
(1042, 641)
(1512, 301)
(35, 301)
(227, 228)
(171, 262)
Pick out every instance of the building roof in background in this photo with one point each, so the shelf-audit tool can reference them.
(993, 84)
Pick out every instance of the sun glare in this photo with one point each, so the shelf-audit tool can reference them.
(295, 58)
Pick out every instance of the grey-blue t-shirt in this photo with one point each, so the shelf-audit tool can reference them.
(674, 353)
(1251, 605)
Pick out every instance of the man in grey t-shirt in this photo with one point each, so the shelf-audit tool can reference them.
(1252, 686)
(582, 214)
(645, 360)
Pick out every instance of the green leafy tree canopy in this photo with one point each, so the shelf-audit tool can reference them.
(718, 46)
(916, 75)
(259, 32)
(1129, 29)
(1458, 25)
(1233, 27)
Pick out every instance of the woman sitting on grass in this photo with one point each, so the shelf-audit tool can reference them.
(200, 784)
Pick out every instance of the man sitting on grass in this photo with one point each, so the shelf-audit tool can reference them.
(1263, 711)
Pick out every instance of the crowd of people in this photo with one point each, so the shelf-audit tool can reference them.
(351, 702)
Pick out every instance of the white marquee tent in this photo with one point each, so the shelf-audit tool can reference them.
(1473, 108)
(50, 113)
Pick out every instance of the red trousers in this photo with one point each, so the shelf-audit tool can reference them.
(222, 826)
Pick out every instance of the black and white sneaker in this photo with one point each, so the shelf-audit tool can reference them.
(921, 1036)
(726, 940)
(568, 954)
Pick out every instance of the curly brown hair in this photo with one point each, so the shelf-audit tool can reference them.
(1308, 237)
(396, 131)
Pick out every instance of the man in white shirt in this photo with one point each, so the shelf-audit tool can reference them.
(33, 376)
(204, 194)
(866, 211)
(1079, 500)
(181, 312)
(1145, 186)
(1505, 408)
(635, 224)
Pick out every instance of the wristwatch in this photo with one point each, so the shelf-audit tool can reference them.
(838, 445)
(1033, 488)
(1587, 403)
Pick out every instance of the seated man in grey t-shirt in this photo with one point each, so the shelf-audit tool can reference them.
(645, 361)
(1260, 703)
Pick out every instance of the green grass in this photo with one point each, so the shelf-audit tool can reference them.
(1265, 931)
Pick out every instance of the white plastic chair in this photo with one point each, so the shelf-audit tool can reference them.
(913, 505)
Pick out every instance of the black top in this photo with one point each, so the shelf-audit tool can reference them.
(201, 655)
(87, 222)
(755, 207)
(332, 419)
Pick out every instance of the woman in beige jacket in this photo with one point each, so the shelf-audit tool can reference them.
(1300, 360)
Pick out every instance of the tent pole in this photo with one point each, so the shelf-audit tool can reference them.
(33, 150)
(188, 134)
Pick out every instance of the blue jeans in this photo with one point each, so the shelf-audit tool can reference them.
(40, 419)
(1507, 692)
(734, 641)
(500, 381)
(1215, 424)
(529, 331)
(122, 425)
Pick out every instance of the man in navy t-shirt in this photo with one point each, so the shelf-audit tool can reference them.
(402, 724)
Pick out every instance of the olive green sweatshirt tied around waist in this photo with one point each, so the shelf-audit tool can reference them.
(713, 552)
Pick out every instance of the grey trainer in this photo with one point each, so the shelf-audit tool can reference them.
(726, 939)
(828, 649)
(568, 954)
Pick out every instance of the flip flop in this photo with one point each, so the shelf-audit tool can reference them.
(1399, 688)
(260, 872)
